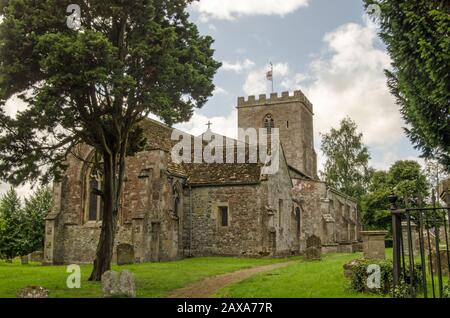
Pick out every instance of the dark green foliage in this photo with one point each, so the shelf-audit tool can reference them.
(35, 211)
(22, 229)
(359, 279)
(346, 168)
(94, 86)
(416, 33)
(12, 236)
(446, 291)
(406, 179)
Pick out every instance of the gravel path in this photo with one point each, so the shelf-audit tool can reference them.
(207, 287)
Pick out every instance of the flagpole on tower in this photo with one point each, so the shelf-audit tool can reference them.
(269, 75)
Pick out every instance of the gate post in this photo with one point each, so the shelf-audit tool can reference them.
(396, 232)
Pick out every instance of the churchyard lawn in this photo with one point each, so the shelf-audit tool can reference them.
(152, 279)
(322, 279)
(302, 279)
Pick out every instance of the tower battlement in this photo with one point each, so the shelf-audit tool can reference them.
(275, 98)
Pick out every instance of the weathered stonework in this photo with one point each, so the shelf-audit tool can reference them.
(374, 245)
(169, 211)
(328, 214)
(293, 116)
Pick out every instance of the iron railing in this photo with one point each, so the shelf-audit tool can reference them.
(421, 256)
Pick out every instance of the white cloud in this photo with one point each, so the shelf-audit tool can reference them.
(346, 80)
(256, 82)
(232, 9)
(351, 82)
(237, 67)
(219, 91)
(223, 125)
(23, 191)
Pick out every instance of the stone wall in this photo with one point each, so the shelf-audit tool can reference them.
(328, 214)
(278, 197)
(147, 220)
(293, 115)
(260, 217)
(242, 237)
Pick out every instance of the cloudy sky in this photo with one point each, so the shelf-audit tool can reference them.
(327, 48)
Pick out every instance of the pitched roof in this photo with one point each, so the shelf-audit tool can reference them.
(198, 174)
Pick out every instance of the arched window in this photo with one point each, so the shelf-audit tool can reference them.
(94, 201)
(269, 123)
(176, 201)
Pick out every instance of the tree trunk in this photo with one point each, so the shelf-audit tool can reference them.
(105, 246)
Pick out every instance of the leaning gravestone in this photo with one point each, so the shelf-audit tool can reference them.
(313, 250)
(32, 292)
(118, 285)
(125, 254)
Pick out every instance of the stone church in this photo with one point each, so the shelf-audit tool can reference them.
(173, 210)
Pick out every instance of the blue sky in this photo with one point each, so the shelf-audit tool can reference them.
(327, 48)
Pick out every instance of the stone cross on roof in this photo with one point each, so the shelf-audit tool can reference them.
(209, 125)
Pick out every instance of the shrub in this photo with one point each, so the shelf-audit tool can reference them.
(446, 291)
(359, 278)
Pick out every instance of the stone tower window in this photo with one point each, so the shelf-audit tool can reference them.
(94, 202)
(269, 123)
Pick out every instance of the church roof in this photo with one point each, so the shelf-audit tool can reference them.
(198, 174)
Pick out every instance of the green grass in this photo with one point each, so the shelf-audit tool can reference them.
(152, 279)
(324, 279)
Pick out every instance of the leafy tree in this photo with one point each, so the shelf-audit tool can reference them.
(347, 164)
(416, 33)
(406, 179)
(34, 213)
(94, 86)
(11, 231)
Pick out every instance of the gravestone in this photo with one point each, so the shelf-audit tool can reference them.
(110, 283)
(37, 256)
(120, 285)
(313, 250)
(24, 260)
(32, 292)
(348, 267)
(444, 262)
(414, 238)
(125, 254)
(374, 244)
(127, 284)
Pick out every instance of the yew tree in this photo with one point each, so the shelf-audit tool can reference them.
(93, 85)
(417, 38)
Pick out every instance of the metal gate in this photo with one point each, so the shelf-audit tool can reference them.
(421, 257)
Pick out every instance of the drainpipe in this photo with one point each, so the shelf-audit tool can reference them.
(190, 221)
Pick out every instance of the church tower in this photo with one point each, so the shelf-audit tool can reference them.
(293, 115)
